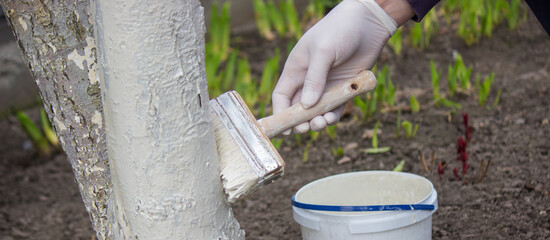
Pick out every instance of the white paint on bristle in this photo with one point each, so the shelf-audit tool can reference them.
(237, 175)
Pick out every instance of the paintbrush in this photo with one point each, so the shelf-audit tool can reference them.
(248, 159)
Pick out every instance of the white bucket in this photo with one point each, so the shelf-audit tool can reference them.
(364, 189)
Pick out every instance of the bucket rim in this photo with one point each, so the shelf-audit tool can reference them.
(331, 213)
(362, 208)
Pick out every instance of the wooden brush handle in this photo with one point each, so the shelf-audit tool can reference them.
(331, 99)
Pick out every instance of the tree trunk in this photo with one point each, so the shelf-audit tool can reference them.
(57, 42)
(164, 163)
(160, 139)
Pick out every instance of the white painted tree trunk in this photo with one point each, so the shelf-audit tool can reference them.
(160, 140)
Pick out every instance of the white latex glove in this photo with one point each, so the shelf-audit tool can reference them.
(345, 42)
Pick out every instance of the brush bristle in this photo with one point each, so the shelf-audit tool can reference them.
(238, 177)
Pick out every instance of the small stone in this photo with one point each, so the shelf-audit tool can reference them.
(370, 132)
(520, 121)
(343, 160)
(542, 213)
(544, 121)
(351, 146)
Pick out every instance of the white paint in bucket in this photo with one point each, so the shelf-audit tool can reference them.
(366, 188)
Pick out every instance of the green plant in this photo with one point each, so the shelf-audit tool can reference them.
(229, 72)
(313, 136)
(399, 166)
(416, 35)
(374, 142)
(277, 142)
(435, 81)
(34, 134)
(438, 99)
(479, 18)
(385, 89)
(298, 138)
(261, 14)
(331, 131)
(276, 18)
(451, 80)
(458, 73)
(421, 33)
(415, 106)
(497, 98)
(219, 32)
(447, 103)
(337, 152)
(366, 106)
(269, 76)
(47, 128)
(245, 84)
(409, 130)
(462, 72)
(396, 41)
(485, 89)
(292, 20)
(305, 155)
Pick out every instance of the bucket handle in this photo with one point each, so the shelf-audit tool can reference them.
(366, 208)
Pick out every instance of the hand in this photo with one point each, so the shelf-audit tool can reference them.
(345, 42)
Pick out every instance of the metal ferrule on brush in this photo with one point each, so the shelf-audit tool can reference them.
(245, 131)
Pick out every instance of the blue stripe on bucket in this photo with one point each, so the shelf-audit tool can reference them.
(367, 208)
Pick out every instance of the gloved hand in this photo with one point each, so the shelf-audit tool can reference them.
(345, 42)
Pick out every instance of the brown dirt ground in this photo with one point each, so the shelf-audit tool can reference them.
(40, 200)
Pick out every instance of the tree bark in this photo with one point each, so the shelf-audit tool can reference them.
(161, 142)
(160, 139)
(57, 42)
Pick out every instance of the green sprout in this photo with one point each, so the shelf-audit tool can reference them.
(277, 142)
(399, 166)
(47, 128)
(462, 73)
(396, 41)
(219, 32)
(409, 130)
(331, 131)
(261, 14)
(230, 69)
(415, 106)
(485, 89)
(245, 84)
(447, 103)
(35, 135)
(292, 20)
(375, 149)
(367, 106)
(276, 18)
(314, 135)
(305, 155)
(269, 76)
(435, 81)
(497, 98)
(337, 152)
(416, 36)
(298, 138)
(451, 80)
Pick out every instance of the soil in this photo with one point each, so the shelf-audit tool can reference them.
(40, 200)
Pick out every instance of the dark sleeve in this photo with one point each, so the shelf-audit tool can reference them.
(422, 7)
(541, 9)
